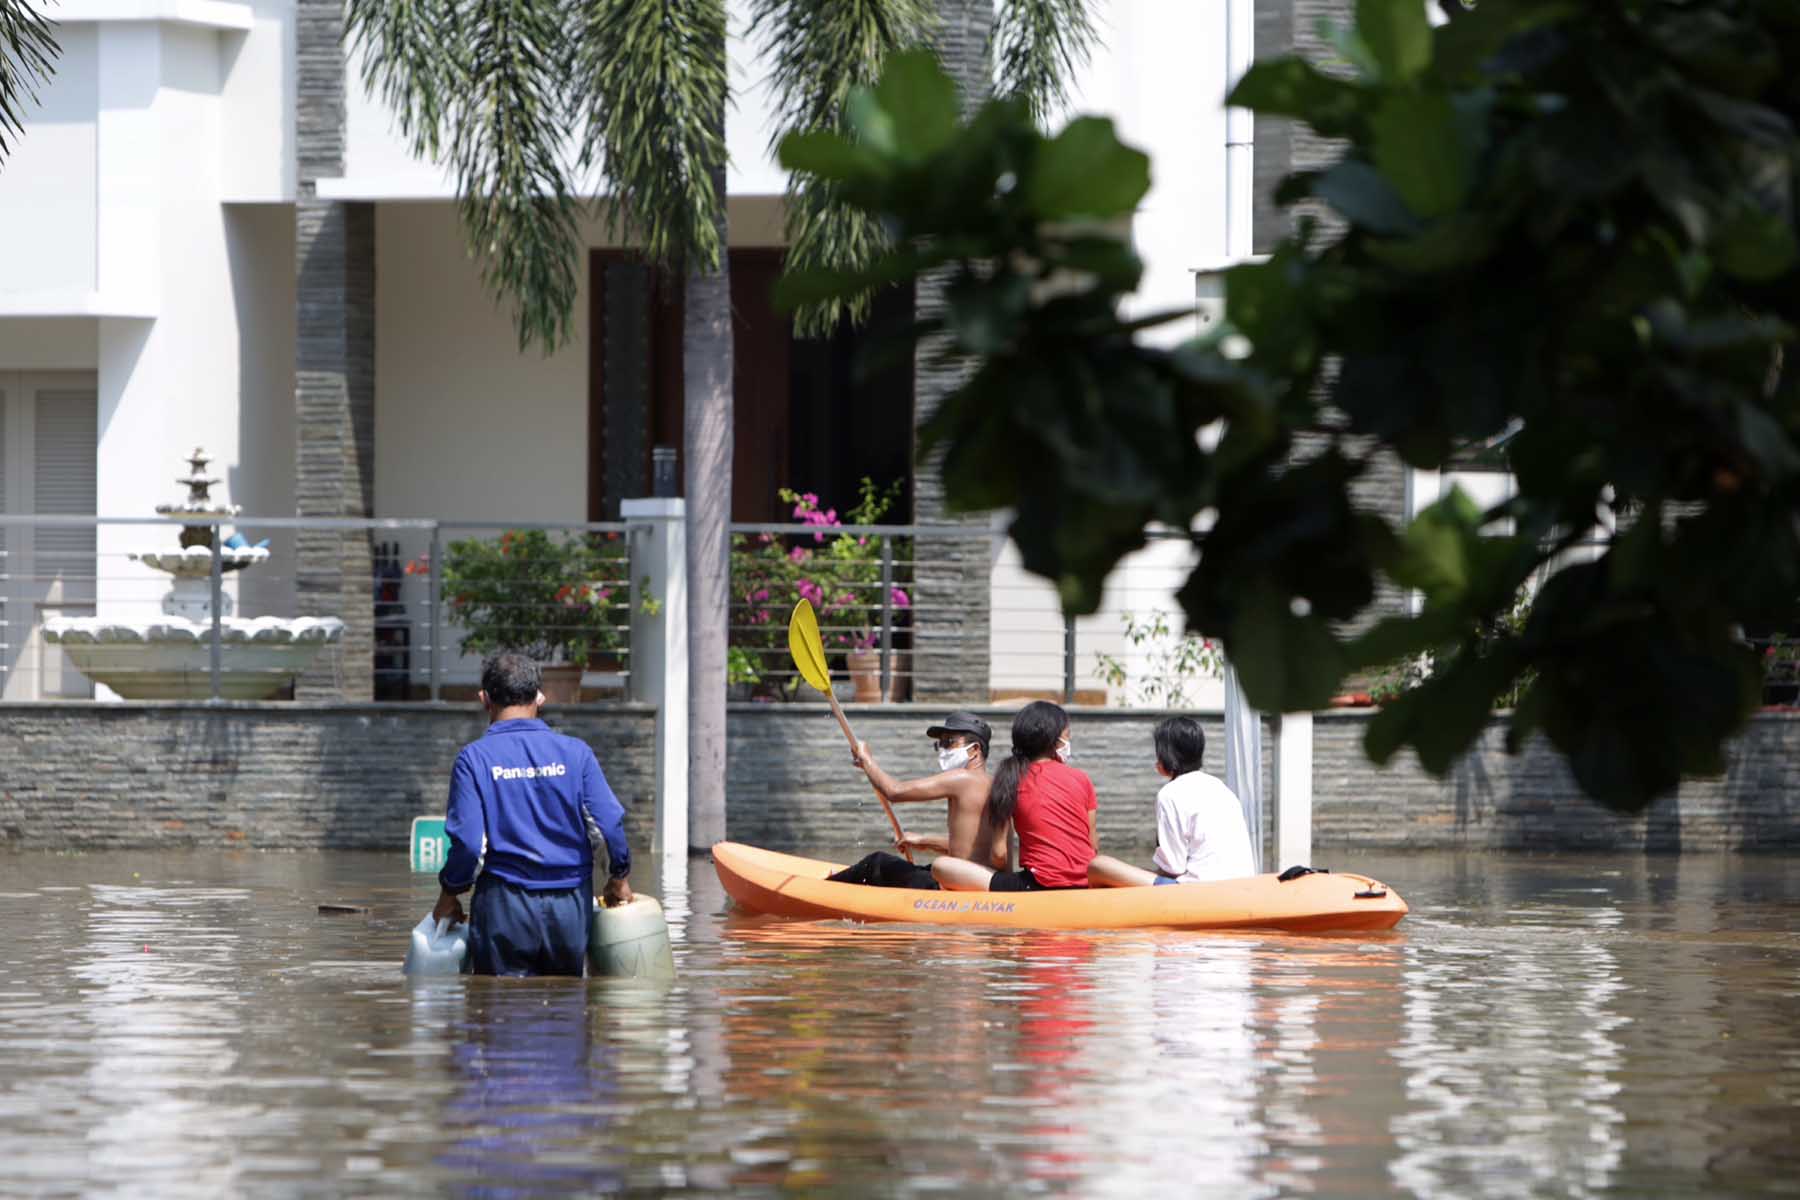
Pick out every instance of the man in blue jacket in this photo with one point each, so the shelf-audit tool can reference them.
(528, 808)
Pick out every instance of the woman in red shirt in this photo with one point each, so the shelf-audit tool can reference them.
(1050, 805)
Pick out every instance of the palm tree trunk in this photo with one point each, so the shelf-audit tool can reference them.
(707, 437)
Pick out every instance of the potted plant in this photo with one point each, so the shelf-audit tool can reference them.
(562, 600)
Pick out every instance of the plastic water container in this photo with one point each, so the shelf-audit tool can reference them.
(630, 941)
(437, 948)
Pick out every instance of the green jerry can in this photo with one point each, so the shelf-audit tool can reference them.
(630, 941)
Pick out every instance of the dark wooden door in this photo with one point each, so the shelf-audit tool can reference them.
(635, 381)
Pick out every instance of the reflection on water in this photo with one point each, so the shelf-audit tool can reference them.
(188, 1024)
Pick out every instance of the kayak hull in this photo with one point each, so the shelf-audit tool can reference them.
(785, 885)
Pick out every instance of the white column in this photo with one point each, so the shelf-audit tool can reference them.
(1293, 790)
(659, 659)
(136, 390)
(1243, 759)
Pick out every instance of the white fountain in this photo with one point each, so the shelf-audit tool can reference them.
(172, 659)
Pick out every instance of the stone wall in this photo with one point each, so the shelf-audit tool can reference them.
(1494, 801)
(334, 369)
(264, 776)
(791, 785)
(282, 776)
(791, 782)
(952, 604)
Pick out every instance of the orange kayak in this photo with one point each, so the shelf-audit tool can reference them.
(783, 885)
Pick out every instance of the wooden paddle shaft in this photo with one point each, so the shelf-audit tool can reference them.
(844, 724)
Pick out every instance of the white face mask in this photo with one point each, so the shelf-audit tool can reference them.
(1064, 753)
(950, 760)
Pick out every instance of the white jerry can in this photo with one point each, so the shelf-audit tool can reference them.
(437, 948)
(630, 941)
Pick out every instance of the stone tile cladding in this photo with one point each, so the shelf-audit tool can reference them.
(292, 777)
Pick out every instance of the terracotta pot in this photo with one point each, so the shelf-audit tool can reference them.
(561, 683)
(900, 681)
(865, 673)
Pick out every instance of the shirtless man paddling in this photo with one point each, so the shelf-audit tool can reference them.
(962, 780)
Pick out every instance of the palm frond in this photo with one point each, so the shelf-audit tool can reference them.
(28, 53)
(481, 86)
(652, 76)
(412, 59)
(820, 50)
(1038, 46)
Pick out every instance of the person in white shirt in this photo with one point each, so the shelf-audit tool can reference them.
(1200, 830)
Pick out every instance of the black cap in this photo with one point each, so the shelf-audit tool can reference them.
(964, 722)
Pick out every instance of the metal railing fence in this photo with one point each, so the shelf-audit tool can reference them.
(943, 611)
(412, 592)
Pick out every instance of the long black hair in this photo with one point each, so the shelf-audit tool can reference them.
(1035, 732)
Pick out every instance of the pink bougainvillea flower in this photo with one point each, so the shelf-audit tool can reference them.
(900, 599)
(799, 554)
(812, 592)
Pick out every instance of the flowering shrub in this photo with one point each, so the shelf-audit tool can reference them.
(839, 573)
(1173, 663)
(557, 599)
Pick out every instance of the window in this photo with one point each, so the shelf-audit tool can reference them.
(48, 438)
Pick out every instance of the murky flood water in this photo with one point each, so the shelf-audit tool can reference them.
(177, 1024)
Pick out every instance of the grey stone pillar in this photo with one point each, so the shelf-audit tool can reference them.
(1285, 27)
(334, 369)
(953, 618)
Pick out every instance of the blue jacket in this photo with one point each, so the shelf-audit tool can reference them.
(532, 795)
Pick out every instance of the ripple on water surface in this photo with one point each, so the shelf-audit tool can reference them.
(189, 1024)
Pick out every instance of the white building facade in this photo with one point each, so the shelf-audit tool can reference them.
(210, 235)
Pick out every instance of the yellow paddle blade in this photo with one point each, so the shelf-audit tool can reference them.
(807, 647)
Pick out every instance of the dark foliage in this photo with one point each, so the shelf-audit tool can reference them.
(1571, 222)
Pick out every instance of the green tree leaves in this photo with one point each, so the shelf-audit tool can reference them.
(1085, 171)
(1570, 247)
(1397, 35)
(1420, 148)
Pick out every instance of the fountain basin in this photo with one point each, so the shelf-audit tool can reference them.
(196, 561)
(172, 658)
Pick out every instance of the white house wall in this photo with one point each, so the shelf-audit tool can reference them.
(259, 476)
(465, 425)
(47, 185)
(113, 214)
(49, 344)
(257, 149)
(1160, 74)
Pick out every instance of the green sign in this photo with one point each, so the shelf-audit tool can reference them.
(430, 844)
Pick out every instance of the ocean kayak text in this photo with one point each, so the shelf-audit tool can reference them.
(941, 905)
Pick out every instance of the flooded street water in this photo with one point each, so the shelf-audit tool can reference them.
(187, 1024)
